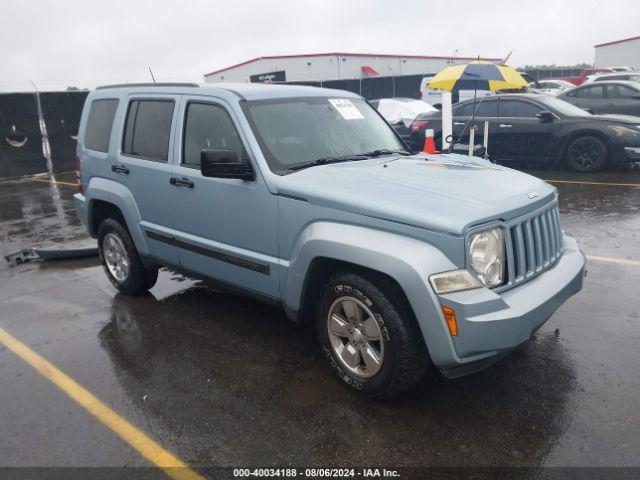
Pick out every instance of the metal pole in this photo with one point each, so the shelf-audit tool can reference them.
(46, 148)
(447, 121)
(485, 142)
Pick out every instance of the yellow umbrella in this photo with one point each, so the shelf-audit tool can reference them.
(477, 76)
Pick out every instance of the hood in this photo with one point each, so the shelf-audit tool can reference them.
(447, 193)
(627, 119)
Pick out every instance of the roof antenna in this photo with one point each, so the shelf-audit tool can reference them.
(152, 77)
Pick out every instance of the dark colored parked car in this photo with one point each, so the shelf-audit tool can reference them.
(540, 129)
(606, 97)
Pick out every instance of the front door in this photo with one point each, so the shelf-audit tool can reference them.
(520, 134)
(620, 99)
(226, 228)
(591, 97)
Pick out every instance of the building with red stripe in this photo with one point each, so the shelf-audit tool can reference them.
(625, 52)
(316, 67)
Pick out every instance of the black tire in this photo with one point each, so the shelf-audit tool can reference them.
(405, 361)
(586, 153)
(139, 278)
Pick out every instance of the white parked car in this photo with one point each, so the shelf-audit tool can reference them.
(554, 87)
(401, 112)
(604, 77)
(623, 69)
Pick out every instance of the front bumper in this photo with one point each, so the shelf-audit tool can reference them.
(490, 324)
(632, 153)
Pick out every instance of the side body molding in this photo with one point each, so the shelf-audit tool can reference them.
(113, 192)
(407, 260)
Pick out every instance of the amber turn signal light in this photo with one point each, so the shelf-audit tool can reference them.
(450, 318)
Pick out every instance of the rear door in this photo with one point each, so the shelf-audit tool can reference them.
(520, 134)
(226, 228)
(143, 164)
(486, 110)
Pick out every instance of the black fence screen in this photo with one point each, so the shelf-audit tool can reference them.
(372, 88)
(61, 112)
(21, 149)
(20, 137)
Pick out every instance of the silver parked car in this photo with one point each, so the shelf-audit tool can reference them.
(606, 97)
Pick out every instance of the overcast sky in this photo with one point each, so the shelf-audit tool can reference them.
(84, 43)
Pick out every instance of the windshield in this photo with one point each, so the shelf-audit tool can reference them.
(564, 108)
(301, 130)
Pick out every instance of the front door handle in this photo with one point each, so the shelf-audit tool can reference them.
(181, 182)
(458, 123)
(505, 125)
(120, 169)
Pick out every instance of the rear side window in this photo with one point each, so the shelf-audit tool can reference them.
(99, 123)
(147, 131)
(208, 126)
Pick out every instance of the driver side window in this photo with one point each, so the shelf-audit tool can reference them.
(519, 109)
(208, 126)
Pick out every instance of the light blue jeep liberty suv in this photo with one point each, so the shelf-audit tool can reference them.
(307, 199)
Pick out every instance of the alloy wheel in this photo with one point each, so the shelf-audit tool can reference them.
(585, 153)
(355, 336)
(116, 257)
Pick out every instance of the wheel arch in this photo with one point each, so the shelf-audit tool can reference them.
(326, 248)
(109, 199)
(585, 133)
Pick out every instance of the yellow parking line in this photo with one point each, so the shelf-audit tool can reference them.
(56, 182)
(622, 261)
(136, 438)
(609, 184)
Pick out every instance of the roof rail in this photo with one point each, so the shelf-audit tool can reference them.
(125, 85)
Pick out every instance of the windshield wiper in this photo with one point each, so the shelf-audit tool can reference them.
(349, 158)
(326, 160)
(384, 151)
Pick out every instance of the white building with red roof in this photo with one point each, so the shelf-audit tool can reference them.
(625, 52)
(316, 67)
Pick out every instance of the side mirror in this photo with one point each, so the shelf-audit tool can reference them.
(545, 116)
(589, 110)
(224, 163)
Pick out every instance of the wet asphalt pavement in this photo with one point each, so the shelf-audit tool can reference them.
(221, 380)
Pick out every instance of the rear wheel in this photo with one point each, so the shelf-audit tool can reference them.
(369, 334)
(121, 261)
(586, 154)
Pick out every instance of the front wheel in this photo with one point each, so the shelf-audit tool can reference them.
(369, 334)
(586, 154)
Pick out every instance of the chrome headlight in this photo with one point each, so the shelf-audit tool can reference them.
(486, 256)
(622, 131)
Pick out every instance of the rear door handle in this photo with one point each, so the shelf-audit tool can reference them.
(458, 123)
(505, 125)
(181, 182)
(120, 169)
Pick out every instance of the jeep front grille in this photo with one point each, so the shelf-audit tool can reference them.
(534, 244)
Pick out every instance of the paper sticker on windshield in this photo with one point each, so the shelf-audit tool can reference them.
(345, 108)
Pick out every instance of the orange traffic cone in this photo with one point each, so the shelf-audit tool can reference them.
(429, 142)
